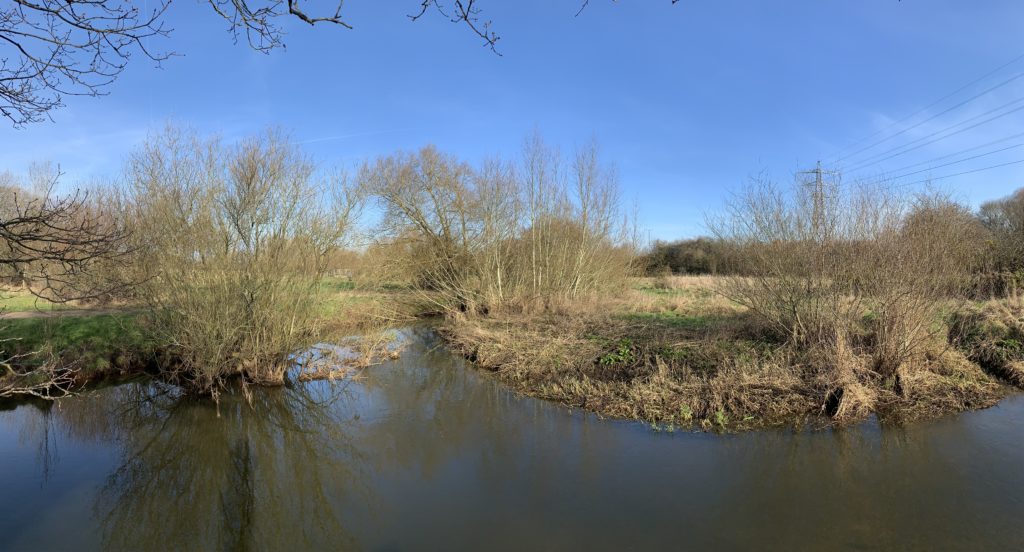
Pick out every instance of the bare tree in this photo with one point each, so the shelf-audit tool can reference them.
(233, 242)
(54, 243)
(494, 237)
(57, 247)
(1005, 219)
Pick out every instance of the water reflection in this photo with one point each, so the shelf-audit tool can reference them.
(193, 476)
(423, 453)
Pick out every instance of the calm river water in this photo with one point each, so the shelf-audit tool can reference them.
(425, 454)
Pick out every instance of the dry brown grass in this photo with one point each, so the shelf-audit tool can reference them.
(694, 359)
(992, 335)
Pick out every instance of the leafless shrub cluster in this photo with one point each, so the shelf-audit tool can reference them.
(854, 276)
(1004, 218)
(60, 248)
(502, 235)
(232, 245)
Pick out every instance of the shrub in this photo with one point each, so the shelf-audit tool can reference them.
(501, 236)
(1004, 218)
(855, 277)
(233, 241)
(701, 255)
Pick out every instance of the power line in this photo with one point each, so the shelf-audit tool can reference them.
(871, 159)
(937, 115)
(973, 157)
(904, 184)
(867, 161)
(839, 156)
(961, 152)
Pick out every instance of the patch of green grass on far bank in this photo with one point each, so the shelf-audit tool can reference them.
(22, 301)
(96, 343)
(330, 285)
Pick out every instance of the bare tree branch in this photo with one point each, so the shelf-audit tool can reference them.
(587, 3)
(463, 11)
(54, 243)
(258, 20)
(53, 48)
(51, 380)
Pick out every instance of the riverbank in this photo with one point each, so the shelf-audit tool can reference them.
(80, 346)
(680, 355)
(673, 353)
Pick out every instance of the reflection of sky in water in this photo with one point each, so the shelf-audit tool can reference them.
(423, 453)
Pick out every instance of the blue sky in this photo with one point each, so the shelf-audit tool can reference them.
(687, 100)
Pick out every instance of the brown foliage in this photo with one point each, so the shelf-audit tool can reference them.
(854, 268)
(501, 236)
(233, 242)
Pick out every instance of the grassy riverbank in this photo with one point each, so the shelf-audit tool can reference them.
(676, 353)
(672, 352)
(94, 346)
(97, 342)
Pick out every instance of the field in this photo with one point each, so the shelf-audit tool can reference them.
(16, 300)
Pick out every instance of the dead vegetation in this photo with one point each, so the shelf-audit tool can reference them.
(691, 358)
(992, 335)
(350, 356)
(50, 379)
(839, 309)
(837, 303)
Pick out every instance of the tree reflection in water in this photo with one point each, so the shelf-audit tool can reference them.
(422, 453)
(239, 477)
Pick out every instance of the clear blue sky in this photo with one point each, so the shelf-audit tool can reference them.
(688, 100)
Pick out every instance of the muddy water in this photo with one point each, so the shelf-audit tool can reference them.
(424, 453)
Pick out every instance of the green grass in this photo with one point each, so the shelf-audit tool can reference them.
(20, 301)
(675, 320)
(331, 285)
(93, 341)
(694, 292)
(337, 302)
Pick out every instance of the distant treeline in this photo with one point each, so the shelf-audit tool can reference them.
(701, 255)
(996, 238)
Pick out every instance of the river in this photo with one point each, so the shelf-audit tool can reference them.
(426, 453)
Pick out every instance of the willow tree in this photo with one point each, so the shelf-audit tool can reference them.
(233, 242)
(502, 235)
